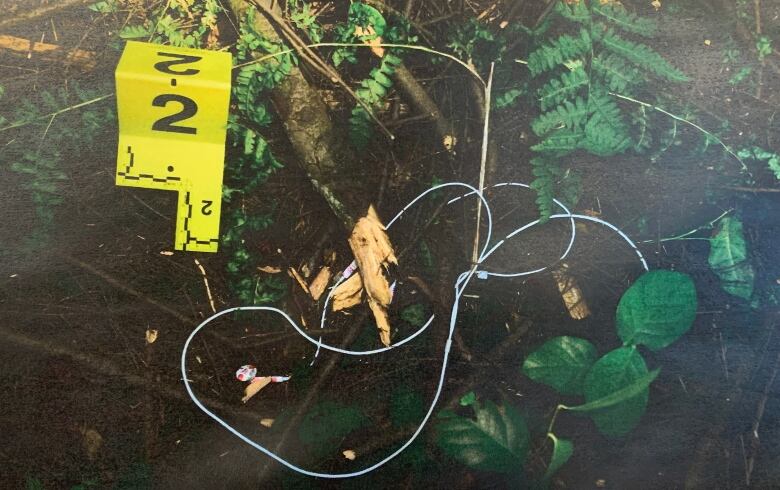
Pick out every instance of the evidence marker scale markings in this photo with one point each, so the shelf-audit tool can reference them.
(172, 105)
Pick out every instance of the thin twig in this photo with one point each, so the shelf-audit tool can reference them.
(683, 120)
(19, 124)
(695, 230)
(206, 283)
(483, 163)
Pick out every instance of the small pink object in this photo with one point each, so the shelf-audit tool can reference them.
(351, 268)
(246, 373)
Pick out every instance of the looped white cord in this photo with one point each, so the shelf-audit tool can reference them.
(460, 287)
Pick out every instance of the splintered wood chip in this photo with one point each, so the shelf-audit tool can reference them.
(267, 422)
(295, 275)
(348, 294)
(382, 321)
(269, 269)
(320, 282)
(373, 253)
(349, 454)
(151, 336)
(255, 386)
(571, 293)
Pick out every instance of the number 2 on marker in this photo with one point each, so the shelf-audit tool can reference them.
(173, 107)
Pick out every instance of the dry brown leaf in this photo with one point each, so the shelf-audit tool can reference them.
(320, 282)
(295, 275)
(269, 269)
(571, 293)
(349, 454)
(348, 294)
(151, 336)
(267, 422)
(255, 386)
(92, 441)
(375, 43)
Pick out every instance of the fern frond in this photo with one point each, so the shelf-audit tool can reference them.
(559, 51)
(618, 76)
(642, 56)
(559, 142)
(604, 137)
(576, 12)
(567, 115)
(559, 89)
(372, 92)
(628, 21)
(544, 172)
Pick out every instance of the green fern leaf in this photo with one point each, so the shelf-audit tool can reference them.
(559, 51)
(617, 75)
(559, 143)
(625, 20)
(557, 90)
(544, 172)
(567, 115)
(642, 56)
(372, 92)
(576, 12)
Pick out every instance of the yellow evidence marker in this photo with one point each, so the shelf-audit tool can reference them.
(173, 109)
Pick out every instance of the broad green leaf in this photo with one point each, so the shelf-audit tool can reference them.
(496, 441)
(729, 260)
(562, 451)
(657, 309)
(616, 391)
(562, 363)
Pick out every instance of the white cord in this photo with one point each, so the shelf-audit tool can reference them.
(460, 286)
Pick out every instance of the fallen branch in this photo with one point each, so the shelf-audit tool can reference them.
(47, 52)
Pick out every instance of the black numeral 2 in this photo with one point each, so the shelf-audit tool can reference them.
(183, 59)
(188, 109)
(206, 205)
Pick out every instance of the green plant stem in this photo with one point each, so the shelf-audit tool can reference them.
(691, 232)
(52, 115)
(554, 417)
(683, 120)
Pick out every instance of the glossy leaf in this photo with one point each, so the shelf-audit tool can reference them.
(657, 309)
(729, 260)
(616, 391)
(496, 441)
(562, 451)
(562, 363)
